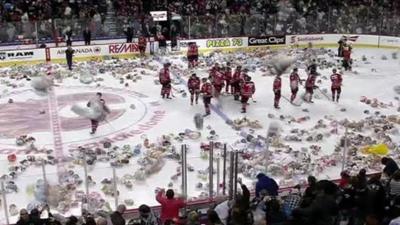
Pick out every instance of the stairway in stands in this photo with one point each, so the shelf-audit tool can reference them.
(111, 20)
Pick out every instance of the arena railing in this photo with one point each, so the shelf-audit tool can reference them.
(354, 20)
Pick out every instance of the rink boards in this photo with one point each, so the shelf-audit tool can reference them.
(120, 49)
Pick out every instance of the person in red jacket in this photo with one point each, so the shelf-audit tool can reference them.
(236, 82)
(165, 81)
(192, 54)
(194, 88)
(170, 206)
(207, 91)
(336, 86)
(310, 85)
(247, 90)
(294, 83)
(277, 86)
(142, 45)
(228, 78)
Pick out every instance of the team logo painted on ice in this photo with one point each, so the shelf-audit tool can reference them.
(131, 114)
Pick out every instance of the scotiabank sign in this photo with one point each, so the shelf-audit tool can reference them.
(123, 48)
(267, 40)
(308, 38)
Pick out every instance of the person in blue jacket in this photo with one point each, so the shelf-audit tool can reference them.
(266, 183)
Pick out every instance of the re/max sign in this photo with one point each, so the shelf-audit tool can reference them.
(220, 43)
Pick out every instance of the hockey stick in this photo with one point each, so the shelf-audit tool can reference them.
(254, 101)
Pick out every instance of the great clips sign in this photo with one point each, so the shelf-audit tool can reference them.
(267, 40)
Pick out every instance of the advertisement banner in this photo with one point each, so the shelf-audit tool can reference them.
(22, 55)
(267, 40)
(226, 42)
(79, 51)
(123, 48)
(159, 15)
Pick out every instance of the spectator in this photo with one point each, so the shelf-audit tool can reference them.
(292, 201)
(375, 197)
(344, 179)
(223, 211)
(72, 220)
(323, 209)
(394, 185)
(23, 217)
(390, 166)
(240, 213)
(310, 192)
(395, 214)
(34, 217)
(267, 183)
(146, 217)
(116, 217)
(274, 214)
(102, 221)
(87, 35)
(129, 34)
(193, 218)
(169, 205)
(213, 218)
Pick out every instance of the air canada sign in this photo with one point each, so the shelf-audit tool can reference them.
(95, 50)
(267, 40)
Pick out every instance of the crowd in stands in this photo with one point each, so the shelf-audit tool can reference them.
(208, 18)
(355, 200)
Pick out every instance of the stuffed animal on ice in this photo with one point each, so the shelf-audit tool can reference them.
(86, 78)
(281, 63)
(41, 84)
(94, 110)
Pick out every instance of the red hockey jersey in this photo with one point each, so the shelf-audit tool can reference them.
(277, 84)
(336, 80)
(194, 83)
(207, 90)
(248, 89)
(294, 80)
(164, 76)
(310, 82)
(193, 50)
(142, 42)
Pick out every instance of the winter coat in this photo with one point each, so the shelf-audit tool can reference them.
(117, 219)
(391, 167)
(240, 213)
(322, 211)
(266, 183)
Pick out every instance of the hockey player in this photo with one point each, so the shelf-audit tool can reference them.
(347, 57)
(276, 87)
(336, 86)
(165, 81)
(247, 90)
(310, 85)
(104, 111)
(207, 91)
(228, 78)
(142, 45)
(294, 84)
(236, 82)
(192, 54)
(194, 88)
(217, 80)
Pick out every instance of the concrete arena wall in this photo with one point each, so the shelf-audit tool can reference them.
(119, 49)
